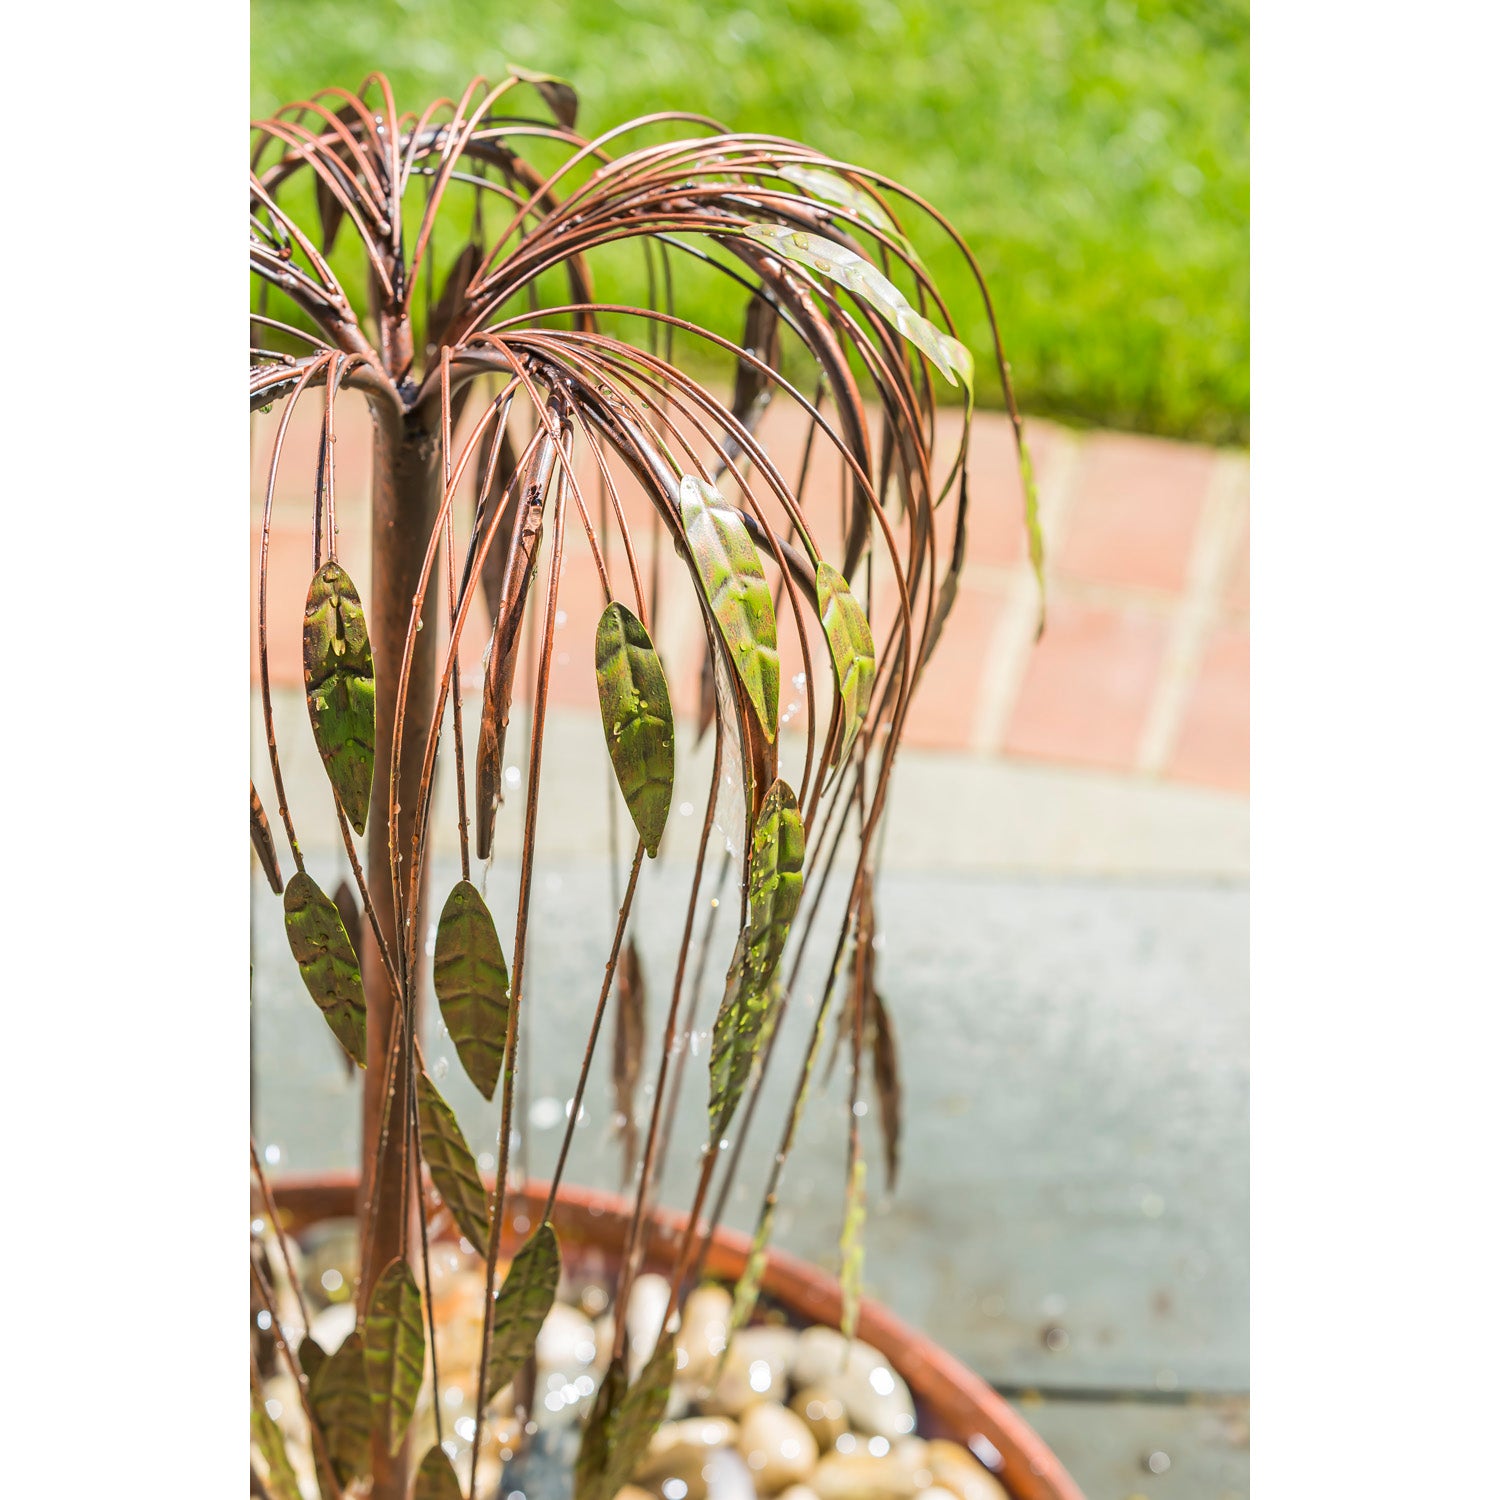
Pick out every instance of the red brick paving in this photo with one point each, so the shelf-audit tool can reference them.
(1213, 745)
(1125, 516)
(1088, 686)
(1237, 589)
(1137, 511)
(944, 708)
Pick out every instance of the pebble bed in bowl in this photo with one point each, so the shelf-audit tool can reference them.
(796, 1413)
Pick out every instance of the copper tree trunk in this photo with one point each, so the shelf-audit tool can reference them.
(407, 492)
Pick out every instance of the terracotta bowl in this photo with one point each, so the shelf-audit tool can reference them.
(952, 1401)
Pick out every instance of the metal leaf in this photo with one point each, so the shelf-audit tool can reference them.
(557, 94)
(637, 716)
(339, 675)
(280, 1479)
(644, 1406)
(450, 299)
(349, 912)
(1033, 531)
(853, 272)
(752, 385)
(340, 1402)
(832, 187)
(630, 1047)
(761, 338)
(852, 1246)
(596, 1446)
(522, 1307)
(852, 647)
(353, 920)
(882, 1042)
(775, 891)
(435, 1478)
(327, 961)
(451, 1163)
(395, 1348)
(747, 1288)
(312, 1356)
(263, 842)
(620, 1427)
(472, 985)
(500, 670)
(492, 570)
(735, 584)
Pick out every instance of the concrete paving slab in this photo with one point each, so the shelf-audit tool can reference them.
(1075, 1201)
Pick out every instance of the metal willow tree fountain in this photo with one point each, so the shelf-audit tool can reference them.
(476, 229)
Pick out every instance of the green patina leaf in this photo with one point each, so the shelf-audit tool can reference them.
(557, 94)
(775, 891)
(623, 1422)
(852, 1246)
(451, 1163)
(325, 956)
(644, 1406)
(637, 715)
(340, 1401)
(339, 675)
(852, 647)
(853, 272)
(629, 1049)
(832, 187)
(735, 583)
(472, 985)
(596, 1442)
(280, 1478)
(1033, 531)
(881, 1036)
(395, 1347)
(262, 841)
(435, 1478)
(522, 1306)
(747, 1288)
(312, 1356)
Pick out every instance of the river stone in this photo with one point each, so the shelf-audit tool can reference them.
(291, 1419)
(956, 1470)
(682, 1450)
(650, 1296)
(565, 1346)
(907, 1454)
(728, 1477)
(333, 1325)
(824, 1414)
(777, 1346)
(912, 1454)
(777, 1447)
(874, 1396)
(755, 1370)
(862, 1476)
(705, 1329)
(823, 1353)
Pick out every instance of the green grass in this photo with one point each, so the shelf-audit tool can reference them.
(1095, 153)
